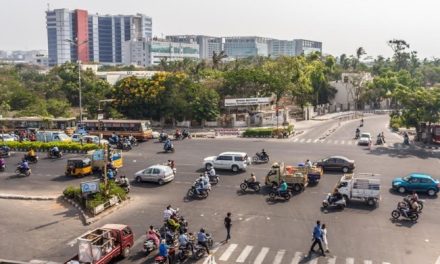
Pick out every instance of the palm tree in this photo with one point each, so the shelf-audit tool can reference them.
(217, 58)
(359, 52)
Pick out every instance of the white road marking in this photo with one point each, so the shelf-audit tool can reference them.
(309, 140)
(385, 263)
(342, 142)
(225, 256)
(302, 140)
(349, 261)
(244, 254)
(368, 262)
(279, 256)
(297, 258)
(331, 260)
(336, 142)
(349, 142)
(438, 261)
(316, 140)
(295, 140)
(329, 141)
(261, 255)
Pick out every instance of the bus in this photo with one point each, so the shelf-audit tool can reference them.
(35, 123)
(140, 129)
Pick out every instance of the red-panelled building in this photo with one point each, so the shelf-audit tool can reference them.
(82, 34)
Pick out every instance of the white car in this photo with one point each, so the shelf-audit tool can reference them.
(364, 139)
(234, 161)
(6, 137)
(76, 137)
(94, 140)
(156, 173)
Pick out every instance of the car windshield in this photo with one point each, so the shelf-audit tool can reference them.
(365, 135)
(406, 178)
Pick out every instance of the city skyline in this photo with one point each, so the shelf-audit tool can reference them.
(342, 26)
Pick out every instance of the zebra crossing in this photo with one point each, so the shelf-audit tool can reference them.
(235, 253)
(341, 142)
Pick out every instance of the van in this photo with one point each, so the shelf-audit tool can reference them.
(51, 136)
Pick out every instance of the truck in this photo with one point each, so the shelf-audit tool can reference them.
(356, 188)
(104, 244)
(313, 173)
(278, 172)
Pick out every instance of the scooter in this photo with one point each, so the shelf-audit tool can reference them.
(169, 148)
(330, 201)
(164, 260)
(251, 185)
(149, 246)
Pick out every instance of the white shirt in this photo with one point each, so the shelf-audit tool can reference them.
(324, 235)
(167, 214)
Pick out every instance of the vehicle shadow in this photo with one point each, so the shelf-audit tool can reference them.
(147, 185)
(309, 258)
(16, 176)
(422, 196)
(403, 222)
(397, 152)
(64, 178)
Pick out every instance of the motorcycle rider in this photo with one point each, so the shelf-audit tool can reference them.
(24, 166)
(264, 154)
(252, 179)
(379, 139)
(382, 136)
(163, 249)
(31, 154)
(211, 171)
(202, 239)
(2, 162)
(336, 196)
(283, 187)
(358, 131)
(178, 134)
(54, 151)
(185, 133)
(153, 235)
(200, 186)
(184, 241)
(168, 212)
(167, 144)
(308, 164)
(124, 182)
(405, 138)
(110, 175)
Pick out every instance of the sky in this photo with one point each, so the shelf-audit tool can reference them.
(342, 25)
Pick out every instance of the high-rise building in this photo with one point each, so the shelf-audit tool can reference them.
(98, 38)
(207, 44)
(281, 48)
(243, 47)
(303, 46)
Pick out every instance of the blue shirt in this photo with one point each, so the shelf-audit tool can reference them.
(283, 187)
(201, 237)
(163, 250)
(317, 232)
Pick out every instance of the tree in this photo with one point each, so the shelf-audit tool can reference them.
(401, 56)
(205, 104)
(217, 58)
(58, 108)
(359, 52)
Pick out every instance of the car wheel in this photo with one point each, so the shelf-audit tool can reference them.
(126, 252)
(160, 182)
(138, 179)
(297, 188)
(234, 168)
(401, 189)
(431, 192)
(371, 202)
(345, 169)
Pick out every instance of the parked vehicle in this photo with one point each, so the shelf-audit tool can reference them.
(79, 167)
(76, 137)
(332, 201)
(104, 244)
(417, 182)
(24, 172)
(250, 185)
(408, 214)
(94, 140)
(336, 163)
(364, 189)
(365, 139)
(295, 180)
(235, 161)
(51, 136)
(6, 137)
(156, 173)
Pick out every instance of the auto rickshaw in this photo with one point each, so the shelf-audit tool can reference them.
(79, 167)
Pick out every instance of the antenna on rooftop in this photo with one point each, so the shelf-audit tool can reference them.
(48, 6)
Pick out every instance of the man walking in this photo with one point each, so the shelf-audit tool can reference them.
(228, 225)
(317, 238)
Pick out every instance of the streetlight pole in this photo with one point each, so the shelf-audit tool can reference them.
(77, 45)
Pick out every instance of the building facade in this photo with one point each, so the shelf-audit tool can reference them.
(207, 44)
(281, 48)
(303, 46)
(98, 38)
(244, 47)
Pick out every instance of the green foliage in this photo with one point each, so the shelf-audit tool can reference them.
(72, 192)
(268, 132)
(48, 145)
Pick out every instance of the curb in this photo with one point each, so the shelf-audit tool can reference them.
(45, 151)
(25, 197)
(82, 214)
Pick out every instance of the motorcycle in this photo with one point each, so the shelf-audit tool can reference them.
(199, 250)
(330, 201)
(2, 164)
(169, 148)
(401, 211)
(260, 158)
(134, 142)
(31, 159)
(164, 260)
(407, 202)
(5, 152)
(52, 155)
(124, 146)
(163, 137)
(406, 140)
(186, 134)
(24, 172)
(275, 193)
(178, 136)
(379, 141)
(251, 185)
(192, 192)
(213, 179)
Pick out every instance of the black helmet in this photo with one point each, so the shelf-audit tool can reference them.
(202, 230)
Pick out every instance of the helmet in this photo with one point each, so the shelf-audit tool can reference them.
(252, 174)
(202, 230)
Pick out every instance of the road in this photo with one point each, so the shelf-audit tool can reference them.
(263, 231)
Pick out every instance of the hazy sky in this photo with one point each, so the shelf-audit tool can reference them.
(342, 25)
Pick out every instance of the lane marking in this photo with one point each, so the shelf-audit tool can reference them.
(349, 142)
(279, 256)
(368, 262)
(336, 142)
(349, 261)
(309, 140)
(438, 261)
(331, 260)
(342, 142)
(302, 140)
(225, 256)
(244, 254)
(316, 140)
(261, 255)
(296, 258)
(296, 139)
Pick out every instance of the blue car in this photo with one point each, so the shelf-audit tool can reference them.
(418, 182)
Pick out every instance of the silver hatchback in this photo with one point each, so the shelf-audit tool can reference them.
(156, 173)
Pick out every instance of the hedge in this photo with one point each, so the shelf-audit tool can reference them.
(267, 132)
(48, 145)
(395, 122)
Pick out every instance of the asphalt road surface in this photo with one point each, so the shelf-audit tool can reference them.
(263, 231)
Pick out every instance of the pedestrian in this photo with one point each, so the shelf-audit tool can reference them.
(228, 225)
(324, 238)
(317, 238)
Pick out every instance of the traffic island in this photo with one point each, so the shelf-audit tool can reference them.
(270, 132)
(94, 199)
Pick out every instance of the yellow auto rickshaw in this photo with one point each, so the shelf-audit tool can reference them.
(79, 167)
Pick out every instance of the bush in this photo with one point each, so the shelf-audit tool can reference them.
(258, 132)
(47, 145)
(72, 192)
(95, 200)
(395, 122)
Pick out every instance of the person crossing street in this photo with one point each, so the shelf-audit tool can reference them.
(317, 238)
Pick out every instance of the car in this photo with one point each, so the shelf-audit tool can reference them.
(156, 173)
(364, 139)
(234, 161)
(418, 182)
(76, 137)
(336, 163)
(94, 140)
(6, 137)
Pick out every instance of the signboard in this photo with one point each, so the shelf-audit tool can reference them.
(89, 187)
(100, 116)
(98, 154)
(248, 101)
